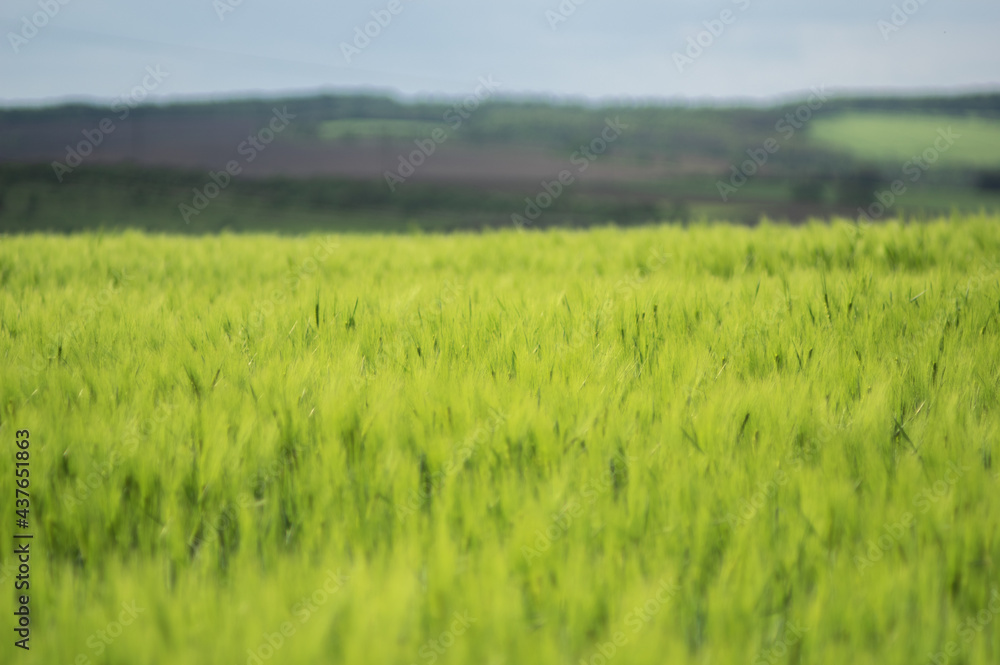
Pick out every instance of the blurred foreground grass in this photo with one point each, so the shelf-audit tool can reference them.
(718, 444)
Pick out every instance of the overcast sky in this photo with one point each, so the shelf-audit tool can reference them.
(618, 49)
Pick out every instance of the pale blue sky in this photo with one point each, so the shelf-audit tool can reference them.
(99, 49)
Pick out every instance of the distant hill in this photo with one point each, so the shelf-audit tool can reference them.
(321, 160)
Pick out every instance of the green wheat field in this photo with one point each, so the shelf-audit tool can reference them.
(712, 444)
